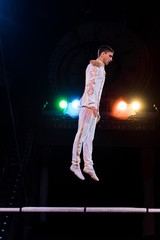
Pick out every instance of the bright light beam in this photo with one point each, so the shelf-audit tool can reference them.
(121, 109)
(63, 104)
(122, 106)
(135, 106)
(75, 103)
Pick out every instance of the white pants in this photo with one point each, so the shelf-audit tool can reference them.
(85, 135)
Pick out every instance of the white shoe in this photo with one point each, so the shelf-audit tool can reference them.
(77, 172)
(91, 172)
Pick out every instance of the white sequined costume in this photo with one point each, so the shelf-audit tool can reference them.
(95, 78)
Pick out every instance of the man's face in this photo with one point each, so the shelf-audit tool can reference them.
(107, 57)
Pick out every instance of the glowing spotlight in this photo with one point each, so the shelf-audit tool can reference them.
(121, 109)
(75, 103)
(72, 110)
(63, 104)
(122, 106)
(135, 106)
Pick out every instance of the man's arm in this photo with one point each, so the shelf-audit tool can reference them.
(91, 81)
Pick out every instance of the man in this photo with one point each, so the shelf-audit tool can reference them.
(89, 113)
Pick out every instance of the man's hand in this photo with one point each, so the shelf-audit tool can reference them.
(98, 118)
(94, 110)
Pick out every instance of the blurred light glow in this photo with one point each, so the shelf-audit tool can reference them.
(135, 106)
(63, 104)
(121, 109)
(122, 106)
(75, 103)
(72, 111)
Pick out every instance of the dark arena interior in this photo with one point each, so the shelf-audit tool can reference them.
(45, 47)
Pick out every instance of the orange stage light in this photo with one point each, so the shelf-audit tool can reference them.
(122, 110)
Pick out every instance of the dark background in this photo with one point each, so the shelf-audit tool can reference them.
(32, 30)
(45, 47)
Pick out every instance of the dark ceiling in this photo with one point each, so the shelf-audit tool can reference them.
(31, 30)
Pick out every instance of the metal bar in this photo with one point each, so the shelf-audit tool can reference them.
(53, 209)
(9, 209)
(83, 209)
(116, 209)
(154, 210)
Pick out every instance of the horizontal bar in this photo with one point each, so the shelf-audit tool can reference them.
(116, 209)
(53, 209)
(83, 209)
(154, 210)
(9, 209)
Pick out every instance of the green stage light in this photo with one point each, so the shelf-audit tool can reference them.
(63, 104)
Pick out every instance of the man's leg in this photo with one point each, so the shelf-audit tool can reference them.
(83, 126)
(88, 143)
(88, 148)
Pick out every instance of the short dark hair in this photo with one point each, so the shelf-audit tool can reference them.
(104, 48)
